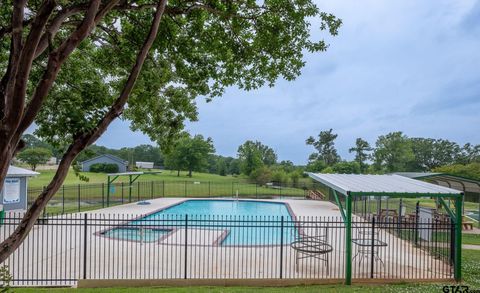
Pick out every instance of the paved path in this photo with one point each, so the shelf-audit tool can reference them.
(471, 246)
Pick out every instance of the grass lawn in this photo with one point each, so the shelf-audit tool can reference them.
(471, 271)
(76, 195)
(47, 175)
(471, 239)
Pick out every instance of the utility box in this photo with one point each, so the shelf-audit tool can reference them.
(13, 195)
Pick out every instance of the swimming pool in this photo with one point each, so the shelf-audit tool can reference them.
(239, 222)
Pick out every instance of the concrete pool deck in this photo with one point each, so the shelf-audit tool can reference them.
(57, 252)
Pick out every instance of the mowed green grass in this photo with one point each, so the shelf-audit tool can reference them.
(470, 270)
(46, 175)
(76, 195)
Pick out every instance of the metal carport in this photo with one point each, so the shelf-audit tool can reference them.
(354, 185)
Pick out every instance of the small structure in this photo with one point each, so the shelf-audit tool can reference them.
(144, 165)
(132, 177)
(347, 188)
(105, 159)
(470, 188)
(13, 196)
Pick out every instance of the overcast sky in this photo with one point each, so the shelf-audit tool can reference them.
(411, 66)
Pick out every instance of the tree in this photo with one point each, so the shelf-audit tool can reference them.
(361, 149)
(471, 170)
(345, 167)
(325, 146)
(393, 152)
(287, 166)
(432, 153)
(71, 67)
(35, 156)
(191, 154)
(234, 167)
(254, 155)
(468, 154)
(261, 175)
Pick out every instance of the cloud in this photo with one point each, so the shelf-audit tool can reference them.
(410, 66)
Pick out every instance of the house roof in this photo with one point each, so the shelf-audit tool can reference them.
(115, 158)
(445, 179)
(20, 172)
(380, 185)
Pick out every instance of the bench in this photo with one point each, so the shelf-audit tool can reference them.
(467, 225)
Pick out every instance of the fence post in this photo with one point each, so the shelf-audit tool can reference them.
(151, 189)
(348, 241)
(373, 248)
(209, 193)
(256, 190)
(79, 197)
(232, 189)
(63, 199)
(138, 190)
(103, 195)
(122, 193)
(417, 218)
(45, 209)
(163, 189)
(186, 241)
(85, 227)
(186, 188)
(458, 238)
(281, 249)
(399, 219)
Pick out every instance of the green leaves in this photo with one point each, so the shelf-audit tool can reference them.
(190, 153)
(202, 48)
(35, 156)
(253, 155)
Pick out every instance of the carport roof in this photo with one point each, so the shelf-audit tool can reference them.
(447, 180)
(356, 184)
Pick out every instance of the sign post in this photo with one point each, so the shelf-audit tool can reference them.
(2, 214)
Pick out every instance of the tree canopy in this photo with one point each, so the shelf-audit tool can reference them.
(253, 155)
(190, 153)
(361, 150)
(72, 66)
(325, 148)
(35, 156)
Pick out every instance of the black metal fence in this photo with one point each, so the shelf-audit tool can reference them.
(64, 248)
(85, 197)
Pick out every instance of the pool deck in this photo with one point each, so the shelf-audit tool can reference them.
(55, 246)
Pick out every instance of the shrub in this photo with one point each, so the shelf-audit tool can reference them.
(279, 176)
(104, 168)
(261, 175)
(295, 177)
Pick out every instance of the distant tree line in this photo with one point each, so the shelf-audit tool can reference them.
(393, 152)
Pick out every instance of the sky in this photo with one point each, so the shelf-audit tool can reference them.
(407, 65)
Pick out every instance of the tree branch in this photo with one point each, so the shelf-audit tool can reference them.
(14, 114)
(7, 82)
(55, 25)
(55, 61)
(81, 142)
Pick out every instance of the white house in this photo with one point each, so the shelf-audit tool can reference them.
(144, 165)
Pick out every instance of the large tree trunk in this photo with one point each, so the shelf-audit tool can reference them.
(81, 142)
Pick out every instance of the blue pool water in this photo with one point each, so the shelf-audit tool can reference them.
(245, 222)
